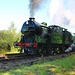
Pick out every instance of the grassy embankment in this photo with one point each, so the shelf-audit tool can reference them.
(64, 66)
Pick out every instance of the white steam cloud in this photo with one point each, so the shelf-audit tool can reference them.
(62, 14)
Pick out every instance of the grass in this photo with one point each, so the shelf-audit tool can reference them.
(64, 66)
(13, 50)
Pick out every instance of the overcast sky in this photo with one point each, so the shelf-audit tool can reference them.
(58, 12)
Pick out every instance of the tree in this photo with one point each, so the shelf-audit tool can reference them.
(12, 28)
(74, 37)
(44, 23)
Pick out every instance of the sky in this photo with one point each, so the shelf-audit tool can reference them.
(53, 12)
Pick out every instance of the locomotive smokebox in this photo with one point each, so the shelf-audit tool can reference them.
(31, 27)
(32, 19)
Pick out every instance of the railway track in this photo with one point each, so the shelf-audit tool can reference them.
(13, 61)
(17, 56)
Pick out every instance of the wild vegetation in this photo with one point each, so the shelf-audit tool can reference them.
(7, 38)
(73, 37)
(64, 66)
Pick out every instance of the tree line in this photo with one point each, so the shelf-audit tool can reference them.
(8, 37)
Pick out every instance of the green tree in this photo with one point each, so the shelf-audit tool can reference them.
(44, 23)
(8, 35)
(12, 28)
(74, 37)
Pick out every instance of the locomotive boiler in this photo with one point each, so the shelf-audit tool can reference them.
(40, 39)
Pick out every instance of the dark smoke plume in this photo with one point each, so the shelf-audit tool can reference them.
(34, 6)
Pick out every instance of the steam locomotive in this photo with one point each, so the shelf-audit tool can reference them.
(40, 39)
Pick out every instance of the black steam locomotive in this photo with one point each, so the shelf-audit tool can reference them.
(40, 39)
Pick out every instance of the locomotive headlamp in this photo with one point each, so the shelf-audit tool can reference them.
(27, 22)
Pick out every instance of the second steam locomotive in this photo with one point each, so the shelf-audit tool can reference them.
(40, 39)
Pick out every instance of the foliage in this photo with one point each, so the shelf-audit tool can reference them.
(73, 37)
(64, 66)
(8, 37)
(44, 23)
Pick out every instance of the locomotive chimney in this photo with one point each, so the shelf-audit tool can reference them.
(32, 19)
